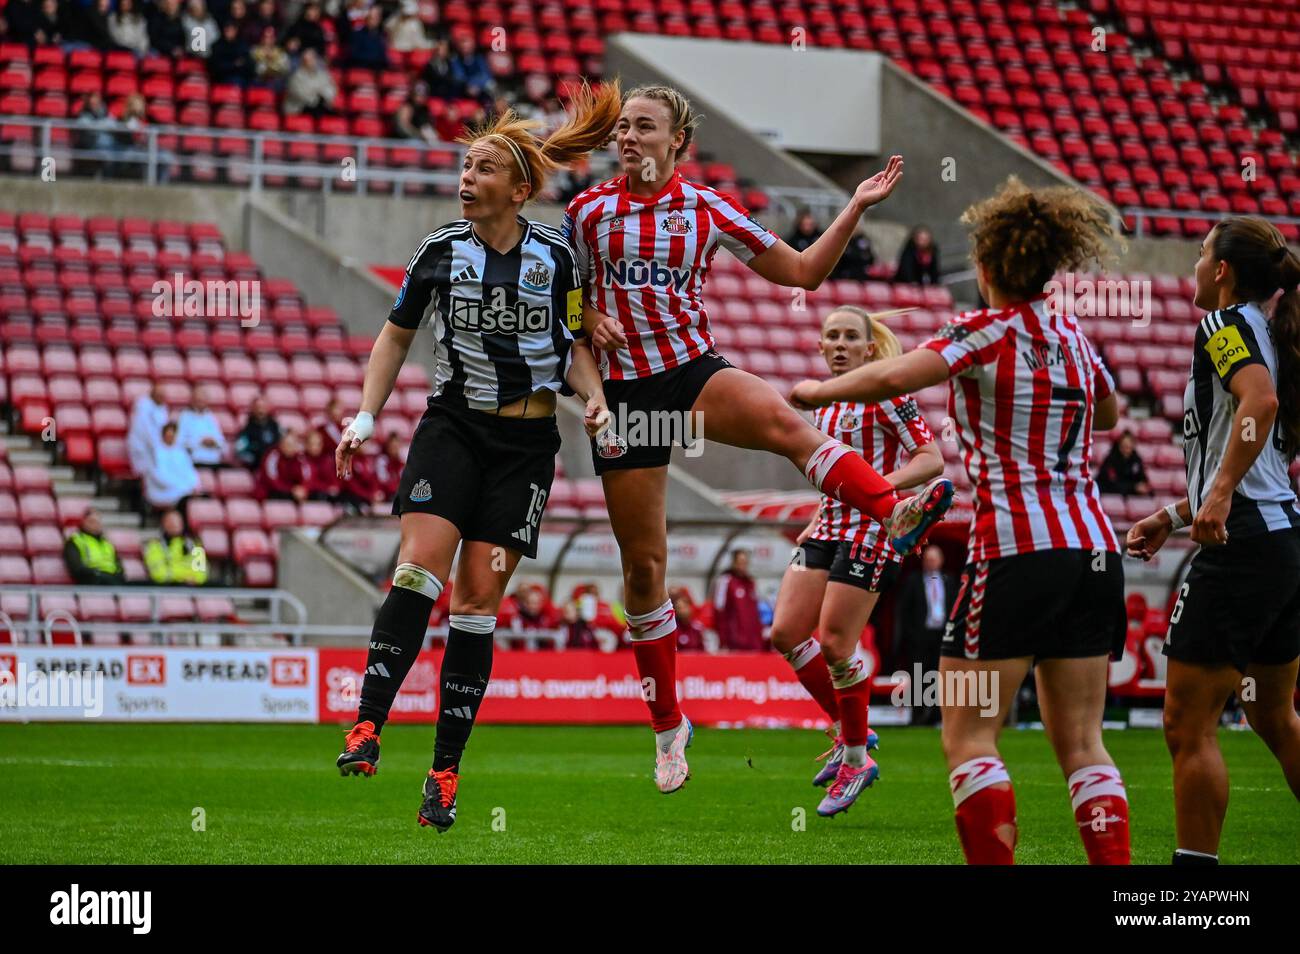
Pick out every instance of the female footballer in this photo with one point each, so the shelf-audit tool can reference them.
(644, 242)
(506, 306)
(1235, 627)
(1043, 585)
(844, 561)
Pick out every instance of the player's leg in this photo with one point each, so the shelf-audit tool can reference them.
(1195, 694)
(983, 799)
(798, 604)
(743, 410)
(424, 557)
(1270, 707)
(845, 613)
(482, 574)
(1072, 696)
(636, 499)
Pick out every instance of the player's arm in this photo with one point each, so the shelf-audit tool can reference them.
(605, 333)
(782, 265)
(1148, 535)
(875, 381)
(1252, 425)
(925, 463)
(1106, 413)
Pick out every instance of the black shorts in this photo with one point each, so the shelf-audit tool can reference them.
(651, 414)
(1240, 603)
(488, 475)
(847, 564)
(1052, 604)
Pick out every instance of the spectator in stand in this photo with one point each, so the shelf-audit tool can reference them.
(249, 28)
(450, 126)
(148, 415)
(362, 492)
(166, 35)
(173, 558)
(256, 23)
(366, 46)
(351, 19)
(285, 473)
(270, 62)
(735, 606)
(469, 68)
(414, 119)
(96, 130)
(388, 466)
(23, 18)
(90, 556)
(924, 603)
(574, 180)
(534, 610)
(260, 433)
(201, 30)
(332, 427)
(1122, 471)
(591, 620)
(171, 477)
(310, 88)
(552, 116)
(805, 231)
(307, 33)
(91, 25)
(49, 24)
(918, 263)
(324, 483)
(199, 431)
(405, 30)
(128, 28)
(437, 74)
(859, 255)
(690, 633)
(230, 62)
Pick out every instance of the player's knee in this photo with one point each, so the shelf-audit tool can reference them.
(643, 568)
(411, 575)
(474, 604)
(1272, 725)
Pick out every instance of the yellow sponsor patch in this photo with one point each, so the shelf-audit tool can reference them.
(574, 319)
(1226, 348)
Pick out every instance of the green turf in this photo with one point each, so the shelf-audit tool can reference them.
(127, 794)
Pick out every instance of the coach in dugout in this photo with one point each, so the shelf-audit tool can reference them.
(91, 556)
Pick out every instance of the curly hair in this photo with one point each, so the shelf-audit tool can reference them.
(1021, 237)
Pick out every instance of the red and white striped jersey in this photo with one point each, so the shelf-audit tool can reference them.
(645, 258)
(885, 434)
(1024, 385)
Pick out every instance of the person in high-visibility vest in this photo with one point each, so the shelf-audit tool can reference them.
(90, 556)
(173, 557)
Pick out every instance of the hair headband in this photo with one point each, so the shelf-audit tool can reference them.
(518, 154)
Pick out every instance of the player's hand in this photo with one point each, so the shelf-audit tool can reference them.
(596, 416)
(805, 395)
(354, 435)
(1209, 525)
(1148, 535)
(608, 335)
(878, 187)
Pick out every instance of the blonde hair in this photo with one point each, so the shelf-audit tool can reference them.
(1022, 236)
(681, 114)
(591, 121)
(887, 345)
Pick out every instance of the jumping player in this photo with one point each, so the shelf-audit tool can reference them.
(644, 242)
(506, 307)
(843, 561)
(1236, 622)
(1043, 585)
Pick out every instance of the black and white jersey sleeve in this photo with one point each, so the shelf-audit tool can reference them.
(1227, 341)
(503, 323)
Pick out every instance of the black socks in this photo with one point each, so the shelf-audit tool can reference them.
(396, 640)
(466, 669)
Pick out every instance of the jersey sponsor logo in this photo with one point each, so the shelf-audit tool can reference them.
(1191, 424)
(954, 331)
(675, 223)
(908, 411)
(537, 278)
(566, 227)
(1226, 348)
(639, 273)
(401, 292)
(421, 491)
(573, 311)
(469, 314)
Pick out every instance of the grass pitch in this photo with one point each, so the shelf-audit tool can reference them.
(79, 793)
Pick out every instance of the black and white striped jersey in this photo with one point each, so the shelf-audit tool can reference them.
(1227, 341)
(503, 324)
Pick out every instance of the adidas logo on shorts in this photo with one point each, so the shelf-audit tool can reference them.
(524, 533)
(421, 491)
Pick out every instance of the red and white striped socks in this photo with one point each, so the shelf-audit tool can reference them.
(840, 472)
(656, 663)
(1101, 811)
(849, 677)
(809, 667)
(986, 811)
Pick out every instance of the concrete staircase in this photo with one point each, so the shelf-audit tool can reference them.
(26, 451)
